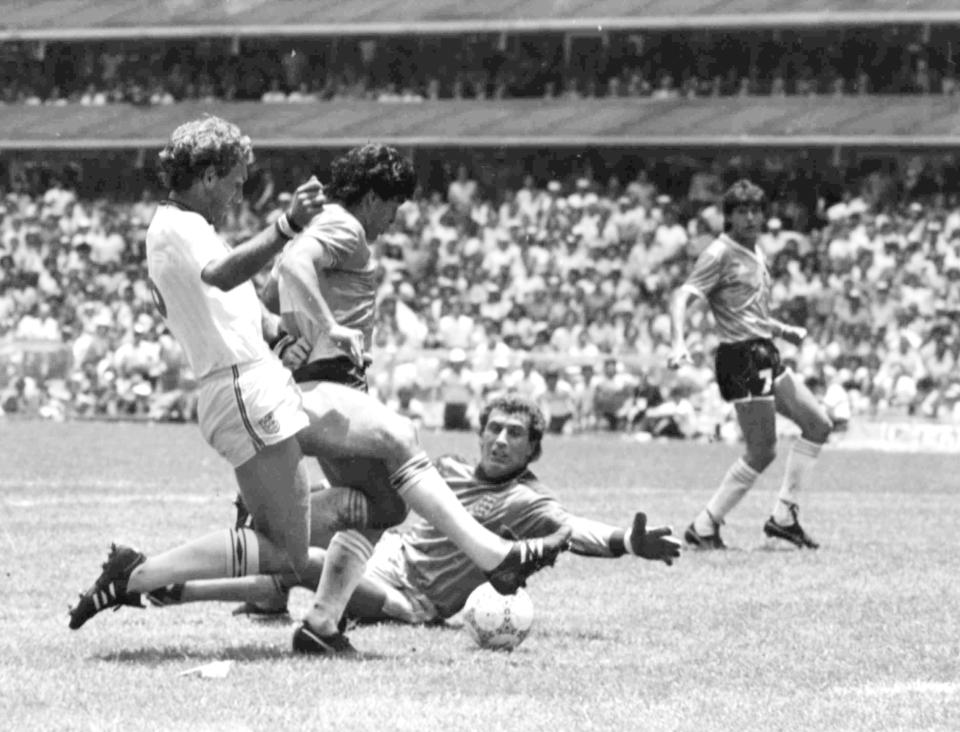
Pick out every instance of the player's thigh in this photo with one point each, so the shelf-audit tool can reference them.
(275, 488)
(372, 478)
(797, 403)
(346, 423)
(758, 421)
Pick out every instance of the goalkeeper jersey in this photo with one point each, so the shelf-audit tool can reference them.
(437, 567)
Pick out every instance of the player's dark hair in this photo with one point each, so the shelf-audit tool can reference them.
(743, 192)
(371, 167)
(515, 404)
(195, 146)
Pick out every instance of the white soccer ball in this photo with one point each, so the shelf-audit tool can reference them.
(498, 622)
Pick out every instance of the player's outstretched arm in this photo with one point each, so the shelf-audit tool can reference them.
(248, 258)
(597, 539)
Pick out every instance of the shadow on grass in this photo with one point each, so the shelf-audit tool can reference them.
(157, 656)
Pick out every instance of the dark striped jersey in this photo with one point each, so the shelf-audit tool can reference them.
(520, 505)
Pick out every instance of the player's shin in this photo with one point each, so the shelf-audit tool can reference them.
(734, 486)
(800, 461)
(262, 589)
(345, 561)
(422, 487)
(230, 553)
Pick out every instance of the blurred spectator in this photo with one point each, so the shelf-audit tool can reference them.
(456, 391)
(611, 395)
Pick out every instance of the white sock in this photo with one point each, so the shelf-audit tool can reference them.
(243, 553)
(229, 553)
(734, 486)
(343, 568)
(800, 461)
(420, 485)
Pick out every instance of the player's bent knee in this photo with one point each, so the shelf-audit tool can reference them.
(760, 458)
(398, 437)
(820, 431)
(387, 512)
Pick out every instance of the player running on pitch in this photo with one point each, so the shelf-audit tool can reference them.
(731, 275)
(418, 575)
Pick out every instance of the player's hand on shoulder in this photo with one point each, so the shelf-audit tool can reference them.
(307, 202)
(350, 340)
(657, 544)
(679, 356)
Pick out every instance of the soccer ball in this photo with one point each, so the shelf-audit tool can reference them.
(498, 622)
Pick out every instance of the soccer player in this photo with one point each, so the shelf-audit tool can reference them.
(731, 275)
(255, 416)
(249, 408)
(418, 575)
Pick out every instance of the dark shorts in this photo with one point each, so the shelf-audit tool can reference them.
(747, 369)
(339, 370)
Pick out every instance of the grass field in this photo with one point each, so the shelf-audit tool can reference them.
(861, 635)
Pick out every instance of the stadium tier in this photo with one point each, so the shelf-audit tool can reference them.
(119, 18)
(784, 122)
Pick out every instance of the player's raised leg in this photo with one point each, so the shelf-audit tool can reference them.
(795, 401)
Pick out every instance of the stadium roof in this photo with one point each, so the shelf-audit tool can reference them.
(76, 19)
(759, 121)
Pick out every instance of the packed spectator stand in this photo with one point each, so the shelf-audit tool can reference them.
(559, 281)
(525, 267)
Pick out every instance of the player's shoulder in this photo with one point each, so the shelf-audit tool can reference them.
(334, 221)
(529, 481)
(172, 226)
(719, 248)
(454, 467)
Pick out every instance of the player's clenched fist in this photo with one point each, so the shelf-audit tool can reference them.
(307, 201)
(793, 334)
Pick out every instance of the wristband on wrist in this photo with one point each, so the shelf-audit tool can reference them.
(281, 334)
(617, 543)
(286, 226)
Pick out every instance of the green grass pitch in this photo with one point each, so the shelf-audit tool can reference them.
(863, 634)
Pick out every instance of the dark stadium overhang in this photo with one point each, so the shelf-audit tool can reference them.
(100, 19)
(733, 122)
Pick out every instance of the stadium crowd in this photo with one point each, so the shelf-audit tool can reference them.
(557, 289)
(888, 59)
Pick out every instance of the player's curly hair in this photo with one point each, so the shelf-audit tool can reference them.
(516, 404)
(743, 192)
(195, 146)
(371, 167)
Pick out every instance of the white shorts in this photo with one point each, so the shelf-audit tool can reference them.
(387, 566)
(247, 407)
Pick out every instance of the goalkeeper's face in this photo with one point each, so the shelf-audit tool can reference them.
(505, 444)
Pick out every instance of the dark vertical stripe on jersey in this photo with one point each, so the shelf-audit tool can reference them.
(257, 442)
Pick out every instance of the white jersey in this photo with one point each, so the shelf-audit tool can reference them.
(217, 329)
